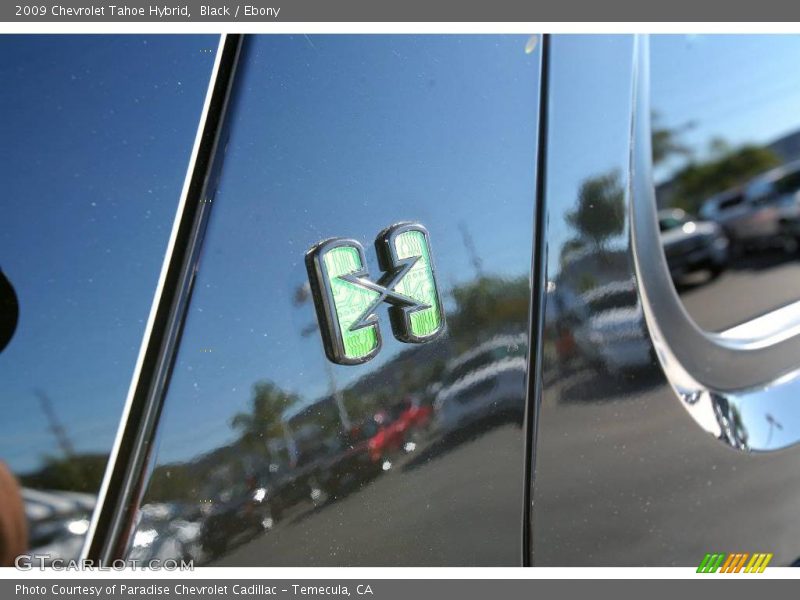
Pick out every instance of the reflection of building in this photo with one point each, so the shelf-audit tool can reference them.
(787, 147)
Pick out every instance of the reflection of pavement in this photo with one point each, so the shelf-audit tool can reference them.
(411, 517)
(637, 482)
(741, 294)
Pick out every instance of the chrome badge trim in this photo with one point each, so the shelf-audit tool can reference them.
(346, 299)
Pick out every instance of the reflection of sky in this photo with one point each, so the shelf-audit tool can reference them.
(96, 133)
(575, 132)
(341, 136)
(765, 431)
(737, 87)
(740, 88)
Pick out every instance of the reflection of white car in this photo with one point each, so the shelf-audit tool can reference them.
(613, 332)
(58, 522)
(691, 245)
(764, 213)
(162, 534)
(484, 382)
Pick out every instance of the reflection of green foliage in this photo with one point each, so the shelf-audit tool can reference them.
(361, 405)
(172, 483)
(586, 282)
(263, 421)
(488, 304)
(726, 169)
(600, 211)
(79, 473)
(256, 426)
(665, 140)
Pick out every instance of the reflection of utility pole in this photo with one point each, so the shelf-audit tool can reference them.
(469, 244)
(337, 397)
(303, 294)
(773, 424)
(55, 426)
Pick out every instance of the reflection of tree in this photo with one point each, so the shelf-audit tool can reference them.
(70, 471)
(263, 421)
(600, 212)
(487, 304)
(173, 483)
(725, 168)
(78, 473)
(483, 306)
(666, 140)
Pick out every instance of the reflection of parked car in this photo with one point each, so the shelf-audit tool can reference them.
(765, 213)
(396, 426)
(354, 463)
(237, 514)
(284, 486)
(691, 245)
(390, 433)
(482, 383)
(167, 531)
(57, 522)
(782, 190)
(610, 329)
(416, 414)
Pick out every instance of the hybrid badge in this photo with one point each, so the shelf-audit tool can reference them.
(346, 298)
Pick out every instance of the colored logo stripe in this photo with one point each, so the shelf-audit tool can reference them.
(734, 562)
(758, 563)
(710, 563)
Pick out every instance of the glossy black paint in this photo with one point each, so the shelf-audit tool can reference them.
(623, 475)
(415, 457)
(268, 454)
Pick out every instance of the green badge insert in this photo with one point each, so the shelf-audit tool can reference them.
(347, 299)
(419, 283)
(350, 301)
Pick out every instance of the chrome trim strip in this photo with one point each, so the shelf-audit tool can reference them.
(739, 385)
(111, 521)
(773, 327)
(536, 313)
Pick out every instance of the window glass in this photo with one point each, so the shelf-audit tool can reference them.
(95, 137)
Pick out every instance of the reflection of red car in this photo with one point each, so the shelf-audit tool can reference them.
(389, 437)
(394, 425)
(417, 415)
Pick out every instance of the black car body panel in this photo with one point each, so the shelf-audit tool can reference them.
(570, 406)
(339, 136)
(623, 475)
